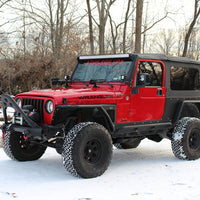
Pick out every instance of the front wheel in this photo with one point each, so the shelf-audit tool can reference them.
(186, 139)
(16, 146)
(87, 150)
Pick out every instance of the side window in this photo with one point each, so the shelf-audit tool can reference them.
(184, 78)
(155, 71)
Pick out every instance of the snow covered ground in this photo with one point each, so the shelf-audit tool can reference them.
(150, 172)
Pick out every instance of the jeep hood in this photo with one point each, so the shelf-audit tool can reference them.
(76, 96)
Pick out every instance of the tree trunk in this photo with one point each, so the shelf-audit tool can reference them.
(113, 36)
(138, 28)
(187, 36)
(103, 10)
(2, 3)
(101, 27)
(125, 27)
(90, 27)
(57, 28)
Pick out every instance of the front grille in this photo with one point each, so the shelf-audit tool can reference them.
(37, 104)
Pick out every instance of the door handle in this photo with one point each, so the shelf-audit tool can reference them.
(159, 92)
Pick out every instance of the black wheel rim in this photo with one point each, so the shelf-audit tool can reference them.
(194, 139)
(25, 146)
(23, 143)
(93, 151)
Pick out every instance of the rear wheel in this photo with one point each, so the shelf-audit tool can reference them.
(87, 150)
(17, 147)
(186, 139)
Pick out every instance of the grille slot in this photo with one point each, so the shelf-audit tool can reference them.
(37, 104)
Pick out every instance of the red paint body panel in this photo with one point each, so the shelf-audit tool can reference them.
(146, 105)
(79, 94)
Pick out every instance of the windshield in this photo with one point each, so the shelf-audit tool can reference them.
(110, 70)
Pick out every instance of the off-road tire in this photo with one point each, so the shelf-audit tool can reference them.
(87, 150)
(17, 148)
(186, 139)
(128, 145)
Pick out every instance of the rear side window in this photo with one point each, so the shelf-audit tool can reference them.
(155, 71)
(184, 78)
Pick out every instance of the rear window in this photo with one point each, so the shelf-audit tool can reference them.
(184, 78)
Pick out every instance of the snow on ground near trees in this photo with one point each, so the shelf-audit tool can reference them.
(150, 172)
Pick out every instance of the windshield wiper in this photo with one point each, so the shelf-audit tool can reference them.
(78, 80)
(110, 84)
(94, 82)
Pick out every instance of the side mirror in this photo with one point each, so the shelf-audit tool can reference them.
(144, 79)
(67, 77)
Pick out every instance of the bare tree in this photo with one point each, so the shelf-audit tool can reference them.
(53, 19)
(138, 27)
(103, 8)
(192, 24)
(147, 26)
(90, 27)
(165, 41)
(180, 42)
(194, 44)
(2, 3)
(57, 25)
(114, 33)
(125, 26)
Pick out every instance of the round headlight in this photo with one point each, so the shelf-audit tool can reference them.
(19, 102)
(49, 106)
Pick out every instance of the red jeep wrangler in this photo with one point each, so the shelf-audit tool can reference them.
(109, 99)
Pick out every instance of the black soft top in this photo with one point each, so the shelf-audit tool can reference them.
(164, 57)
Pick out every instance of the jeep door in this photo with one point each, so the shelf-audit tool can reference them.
(148, 95)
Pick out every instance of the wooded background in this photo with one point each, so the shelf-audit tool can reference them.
(40, 40)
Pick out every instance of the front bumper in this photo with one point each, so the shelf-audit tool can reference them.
(30, 129)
